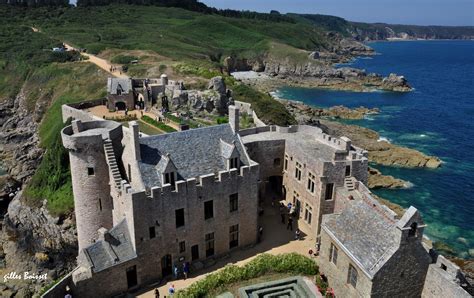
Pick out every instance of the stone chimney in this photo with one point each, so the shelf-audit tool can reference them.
(134, 139)
(234, 115)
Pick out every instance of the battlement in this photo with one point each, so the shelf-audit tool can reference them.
(192, 185)
(342, 143)
(86, 134)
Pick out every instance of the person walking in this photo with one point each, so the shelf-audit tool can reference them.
(289, 226)
(282, 213)
(186, 269)
(157, 293)
(297, 234)
(175, 272)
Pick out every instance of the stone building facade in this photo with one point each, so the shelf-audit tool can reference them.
(131, 93)
(147, 203)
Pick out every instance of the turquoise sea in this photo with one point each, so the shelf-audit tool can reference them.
(437, 118)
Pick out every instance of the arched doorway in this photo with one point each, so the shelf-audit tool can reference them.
(120, 106)
(166, 266)
(141, 101)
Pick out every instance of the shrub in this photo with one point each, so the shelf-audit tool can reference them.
(222, 120)
(263, 264)
(158, 124)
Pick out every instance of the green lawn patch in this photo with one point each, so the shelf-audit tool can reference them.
(158, 124)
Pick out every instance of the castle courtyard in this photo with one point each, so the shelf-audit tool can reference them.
(276, 240)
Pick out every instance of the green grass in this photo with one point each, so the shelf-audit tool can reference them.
(158, 124)
(179, 120)
(268, 110)
(123, 59)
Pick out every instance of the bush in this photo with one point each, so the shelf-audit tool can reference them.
(263, 264)
(222, 120)
(66, 56)
(122, 118)
(124, 59)
(268, 109)
(158, 124)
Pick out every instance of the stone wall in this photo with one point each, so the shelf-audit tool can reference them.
(403, 275)
(337, 273)
(76, 114)
(443, 280)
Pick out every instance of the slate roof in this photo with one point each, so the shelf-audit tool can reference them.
(119, 249)
(124, 83)
(194, 152)
(369, 236)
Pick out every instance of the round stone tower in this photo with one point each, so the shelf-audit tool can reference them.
(92, 145)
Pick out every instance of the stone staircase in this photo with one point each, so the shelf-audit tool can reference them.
(112, 162)
(349, 183)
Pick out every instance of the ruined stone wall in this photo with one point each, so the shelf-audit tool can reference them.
(442, 280)
(337, 273)
(128, 99)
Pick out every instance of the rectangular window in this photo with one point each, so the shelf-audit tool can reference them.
(276, 162)
(182, 246)
(129, 168)
(329, 191)
(152, 232)
(100, 204)
(308, 213)
(352, 276)
(311, 182)
(179, 214)
(333, 254)
(208, 209)
(209, 244)
(90, 171)
(234, 202)
(286, 163)
(167, 178)
(233, 236)
(298, 171)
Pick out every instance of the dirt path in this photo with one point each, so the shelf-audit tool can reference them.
(102, 63)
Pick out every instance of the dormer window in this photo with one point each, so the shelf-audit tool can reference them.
(413, 229)
(234, 163)
(169, 178)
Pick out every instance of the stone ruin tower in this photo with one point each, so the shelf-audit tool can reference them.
(92, 148)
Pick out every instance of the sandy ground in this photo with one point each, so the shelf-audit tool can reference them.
(101, 111)
(276, 240)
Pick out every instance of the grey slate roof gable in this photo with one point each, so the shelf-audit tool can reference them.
(105, 254)
(194, 152)
(369, 237)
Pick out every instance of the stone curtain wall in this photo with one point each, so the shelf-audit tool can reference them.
(442, 283)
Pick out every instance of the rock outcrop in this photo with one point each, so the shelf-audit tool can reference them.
(31, 239)
(214, 100)
(378, 180)
(307, 114)
(381, 152)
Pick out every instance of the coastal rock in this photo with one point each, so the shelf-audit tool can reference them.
(217, 84)
(377, 180)
(395, 83)
(305, 114)
(381, 152)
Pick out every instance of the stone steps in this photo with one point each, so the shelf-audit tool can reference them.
(112, 162)
(349, 183)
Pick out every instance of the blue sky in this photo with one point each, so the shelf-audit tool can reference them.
(416, 12)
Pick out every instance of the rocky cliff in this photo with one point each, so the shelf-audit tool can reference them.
(31, 239)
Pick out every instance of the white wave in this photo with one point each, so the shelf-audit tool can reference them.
(408, 184)
(382, 139)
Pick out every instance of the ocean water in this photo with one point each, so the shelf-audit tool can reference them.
(437, 118)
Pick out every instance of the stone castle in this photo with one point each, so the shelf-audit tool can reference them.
(146, 203)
